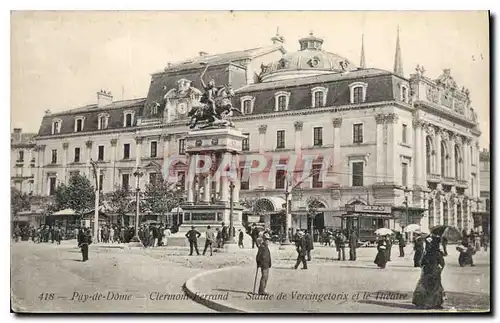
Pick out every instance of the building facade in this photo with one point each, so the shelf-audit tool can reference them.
(392, 150)
(22, 160)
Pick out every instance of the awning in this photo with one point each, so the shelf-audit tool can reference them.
(67, 212)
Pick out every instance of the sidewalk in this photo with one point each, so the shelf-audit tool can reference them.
(347, 286)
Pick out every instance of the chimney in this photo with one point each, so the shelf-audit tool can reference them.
(17, 135)
(104, 98)
(203, 53)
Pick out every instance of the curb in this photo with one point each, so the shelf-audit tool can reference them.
(191, 291)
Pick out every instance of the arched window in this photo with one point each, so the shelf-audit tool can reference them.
(458, 163)
(428, 155)
(443, 159)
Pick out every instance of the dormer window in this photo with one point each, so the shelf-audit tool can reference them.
(358, 92)
(404, 93)
(56, 126)
(128, 118)
(318, 97)
(79, 121)
(281, 100)
(103, 120)
(247, 103)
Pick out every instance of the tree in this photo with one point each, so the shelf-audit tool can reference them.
(18, 201)
(120, 202)
(78, 195)
(160, 197)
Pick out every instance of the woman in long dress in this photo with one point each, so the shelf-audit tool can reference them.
(418, 249)
(381, 258)
(429, 293)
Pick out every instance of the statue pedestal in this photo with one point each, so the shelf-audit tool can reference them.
(209, 189)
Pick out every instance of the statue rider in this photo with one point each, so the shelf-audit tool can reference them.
(209, 94)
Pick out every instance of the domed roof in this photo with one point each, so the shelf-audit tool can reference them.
(310, 59)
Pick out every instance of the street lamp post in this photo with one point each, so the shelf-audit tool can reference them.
(231, 222)
(287, 211)
(96, 205)
(138, 174)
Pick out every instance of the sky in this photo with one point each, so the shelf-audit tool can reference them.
(59, 60)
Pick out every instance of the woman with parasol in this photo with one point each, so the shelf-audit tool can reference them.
(429, 293)
(381, 258)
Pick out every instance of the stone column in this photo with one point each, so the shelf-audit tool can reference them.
(454, 208)
(190, 176)
(207, 188)
(298, 136)
(88, 144)
(392, 154)
(337, 158)
(261, 178)
(217, 178)
(380, 119)
(451, 153)
(466, 163)
(64, 161)
(262, 138)
(237, 183)
(418, 152)
(478, 173)
(166, 146)
(437, 146)
(225, 182)
(440, 209)
(113, 180)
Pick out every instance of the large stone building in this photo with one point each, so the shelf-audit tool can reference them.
(22, 160)
(395, 149)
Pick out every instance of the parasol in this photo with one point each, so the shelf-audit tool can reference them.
(383, 232)
(446, 231)
(412, 227)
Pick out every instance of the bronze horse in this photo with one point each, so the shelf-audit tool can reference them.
(223, 107)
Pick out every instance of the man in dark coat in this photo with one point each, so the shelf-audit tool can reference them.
(309, 244)
(301, 245)
(389, 247)
(418, 248)
(240, 239)
(264, 263)
(193, 236)
(353, 244)
(209, 240)
(225, 234)
(255, 234)
(84, 240)
(340, 241)
(402, 245)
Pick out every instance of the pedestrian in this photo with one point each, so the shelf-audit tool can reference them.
(418, 249)
(193, 236)
(444, 243)
(160, 235)
(477, 242)
(381, 258)
(209, 239)
(301, 247)
(484, 241)
(218, 238)
(99, 234)
(429, 293)
(58, 235)
(402, 244)
(240, 239)
(309, 244)
(112, 235)
(340, 241)
(388, 250)
(353, 244)
(225, 234)
(466, 251)
(154, 235)
(254, 234)
(263, 260)
(84, 240)
(166, 234)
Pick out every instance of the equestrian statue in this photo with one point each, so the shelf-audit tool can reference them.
(215, 106)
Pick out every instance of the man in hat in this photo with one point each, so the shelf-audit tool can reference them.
(240, 239)
(301, 245)
(353, 244)
(263, 260)
(193, 236)
(402, 244)
(210, 237)
(84, 240)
